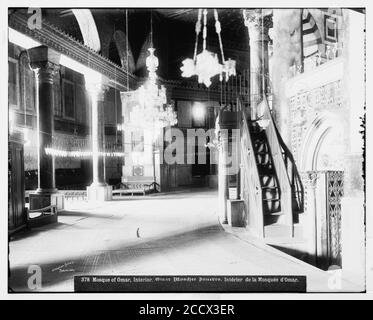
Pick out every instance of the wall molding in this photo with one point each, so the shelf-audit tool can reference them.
(62, 42)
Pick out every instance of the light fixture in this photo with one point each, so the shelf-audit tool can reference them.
(151, 112)
(206, 64)
(198, 111)
(79, 154)
(64, 146)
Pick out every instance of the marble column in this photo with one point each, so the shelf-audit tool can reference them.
(310, 223)
(45, 63)
(227, 122)
(223, 178)
(258, 22)
(96, 88)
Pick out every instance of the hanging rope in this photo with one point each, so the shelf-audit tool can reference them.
(263, 70)
(218, 30)
(151, 28)
(204, 28)
(127, 50)
(115, 105)
(221, 93)
(198, 31)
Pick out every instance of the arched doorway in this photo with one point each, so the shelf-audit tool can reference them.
(323, 147)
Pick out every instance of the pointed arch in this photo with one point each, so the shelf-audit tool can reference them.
(88, 28)
(323, 125)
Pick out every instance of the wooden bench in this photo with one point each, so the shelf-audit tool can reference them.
(40, 217)
(135, 187)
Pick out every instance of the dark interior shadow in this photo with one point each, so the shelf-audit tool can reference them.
(82, 214)
(28, 232)
(322, 263)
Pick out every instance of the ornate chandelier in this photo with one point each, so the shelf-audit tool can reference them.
(152, 110)
(206, 64)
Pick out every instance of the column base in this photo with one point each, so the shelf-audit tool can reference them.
(46, 191)
(39, 200)
(99, 192)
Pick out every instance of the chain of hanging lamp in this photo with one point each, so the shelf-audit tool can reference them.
(205, 65)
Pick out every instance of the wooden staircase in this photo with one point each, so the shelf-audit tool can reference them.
(270, 184)
(271, 192)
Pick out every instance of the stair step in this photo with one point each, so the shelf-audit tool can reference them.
(264, 172)
(269, 176)
(274, 199)
(278, 213)
(261, 148)
(268, 164)
(257, 144)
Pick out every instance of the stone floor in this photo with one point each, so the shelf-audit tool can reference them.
(175, 234)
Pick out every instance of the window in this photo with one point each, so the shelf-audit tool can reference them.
(57, 100)
(13, 83)
(27, 85)
(81, 104)
(68, 99)
(331, 28)
(137, 141)
(198, 115)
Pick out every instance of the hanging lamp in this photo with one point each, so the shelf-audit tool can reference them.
(205, 65)
(152, 110)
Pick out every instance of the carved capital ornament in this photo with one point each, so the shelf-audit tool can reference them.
(258, 22)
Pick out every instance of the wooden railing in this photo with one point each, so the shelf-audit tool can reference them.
(297, 188)
(251, 191)
(279, 164)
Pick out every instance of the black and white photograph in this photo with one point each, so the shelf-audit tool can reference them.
(161, 149)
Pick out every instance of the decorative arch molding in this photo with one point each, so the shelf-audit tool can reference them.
(120, 38)
(88, 28)
(319, 129)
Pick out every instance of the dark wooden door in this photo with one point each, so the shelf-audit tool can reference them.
(16, 186)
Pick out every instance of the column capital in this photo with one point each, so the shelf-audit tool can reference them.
(45, 67)
(258, 22)
(96, 86)
(45, 62)
(43, 57)
(310, 178)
